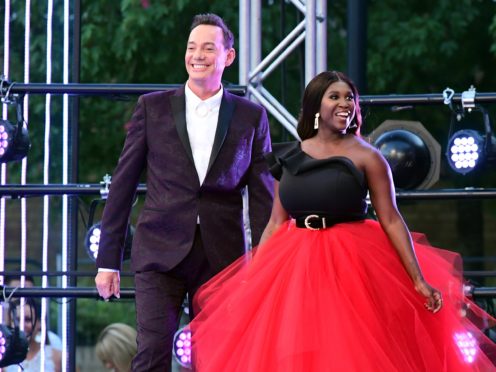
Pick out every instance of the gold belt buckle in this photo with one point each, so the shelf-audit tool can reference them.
(307, 222)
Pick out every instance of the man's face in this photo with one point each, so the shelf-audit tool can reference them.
(206, 57)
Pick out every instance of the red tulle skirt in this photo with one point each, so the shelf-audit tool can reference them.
(337, 299)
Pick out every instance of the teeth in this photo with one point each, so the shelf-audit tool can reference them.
(199, 66)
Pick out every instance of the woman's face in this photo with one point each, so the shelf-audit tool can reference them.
(337, 108)
(29, 319)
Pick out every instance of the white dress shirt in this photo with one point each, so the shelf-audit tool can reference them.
(201, 123)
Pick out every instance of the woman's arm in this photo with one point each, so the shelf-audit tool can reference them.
(382, 195)
(57, 359)
(278, 216)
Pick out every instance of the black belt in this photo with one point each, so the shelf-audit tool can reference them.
(320, 221)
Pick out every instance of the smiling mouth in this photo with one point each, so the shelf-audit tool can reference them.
(344, 114)
(198, 67)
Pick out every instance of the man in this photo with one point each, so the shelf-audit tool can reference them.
(200, 146)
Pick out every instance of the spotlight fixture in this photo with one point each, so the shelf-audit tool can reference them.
(13, 342)
(14, 139)
(92, 241)
(465, 150)
(467, 344)
(182, 347)
(469, 149)
(410, 150)
(92, 238)
(13, 345)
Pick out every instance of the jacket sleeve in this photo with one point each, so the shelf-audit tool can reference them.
(125, 181)
(260, 181)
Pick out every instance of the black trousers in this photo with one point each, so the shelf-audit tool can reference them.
(159, 299)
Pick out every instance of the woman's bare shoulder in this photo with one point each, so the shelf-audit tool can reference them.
(364, 148)
(366, 155)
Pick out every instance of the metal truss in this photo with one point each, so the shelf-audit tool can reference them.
(253, 70)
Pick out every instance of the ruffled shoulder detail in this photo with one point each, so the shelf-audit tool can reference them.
(290, 156)
(280, 152)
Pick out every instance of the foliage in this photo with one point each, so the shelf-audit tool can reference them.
(423, 46)
(418, 47)
(93, 317)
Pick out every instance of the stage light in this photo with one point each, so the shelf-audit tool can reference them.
(465, 150)
(413, 155)
(182, 347)
(14, 139)
(92, 241)
(92, 238)
(467, 344)
(13, 345)
(469, 149)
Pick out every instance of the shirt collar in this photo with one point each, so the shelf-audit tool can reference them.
(211, 102)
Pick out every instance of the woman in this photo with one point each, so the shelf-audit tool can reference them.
(328, 289)
(32, 330)
(116, 347)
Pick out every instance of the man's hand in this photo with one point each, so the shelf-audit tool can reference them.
(108, 284)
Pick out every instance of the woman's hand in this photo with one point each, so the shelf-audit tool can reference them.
(434, 300)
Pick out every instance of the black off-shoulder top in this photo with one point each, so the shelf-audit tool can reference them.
(333, 186)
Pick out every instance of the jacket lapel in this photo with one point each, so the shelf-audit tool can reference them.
(178, 104)
(225, 115)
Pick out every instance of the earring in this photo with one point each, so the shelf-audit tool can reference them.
(316, 121)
